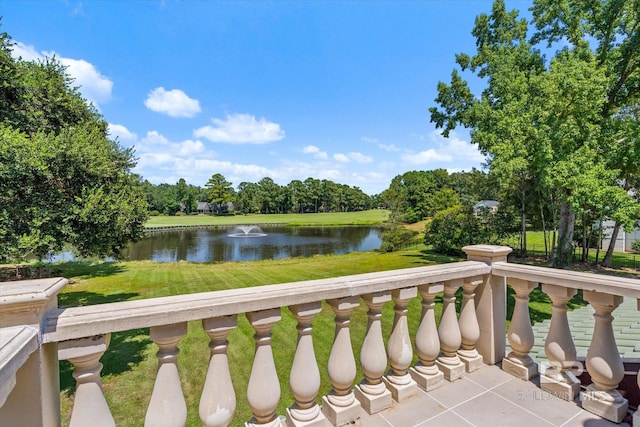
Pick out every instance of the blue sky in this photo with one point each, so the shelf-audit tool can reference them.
(336, 90)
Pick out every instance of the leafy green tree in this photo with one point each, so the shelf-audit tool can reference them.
(219, 190)
(537, 119)
(62, 181)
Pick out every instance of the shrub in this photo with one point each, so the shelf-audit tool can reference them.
(635, 245)
(453, 228)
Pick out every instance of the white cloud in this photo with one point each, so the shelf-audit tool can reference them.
(189, 147)
(241, 129)
(94, 87)
(390, 147)
(452, 149)
(174, 103)
(26, 52)
(154, 138)
(426, 156)
(317, 153)
(369, 140)
(360, 158)
(342, 158)
(121, 132)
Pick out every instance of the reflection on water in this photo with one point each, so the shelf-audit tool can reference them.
(205, 245)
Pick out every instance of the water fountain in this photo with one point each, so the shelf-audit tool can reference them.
(247, 231)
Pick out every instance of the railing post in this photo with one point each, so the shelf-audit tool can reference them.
(400, 350)
(167, 406)
(305, 376)
(426, 372)
(491, 303)
(218, 399)
(340, 406)
(518, 363)
(371, 392)
(469, 328)
(603, 362)
(89, 405)
(33, 397)
(558, 379)
(263, 392)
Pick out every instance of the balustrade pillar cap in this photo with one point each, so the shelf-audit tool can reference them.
(487, 252)
(26, 301)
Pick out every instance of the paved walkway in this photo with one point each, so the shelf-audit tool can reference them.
(488, 397)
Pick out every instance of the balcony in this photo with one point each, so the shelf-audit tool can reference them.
(452, 372)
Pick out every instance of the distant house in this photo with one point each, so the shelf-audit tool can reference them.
(624, 240)
(206, 207)
(485, 205)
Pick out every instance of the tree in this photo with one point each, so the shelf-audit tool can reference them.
(62, 181)
(220, 191)
(537, 120)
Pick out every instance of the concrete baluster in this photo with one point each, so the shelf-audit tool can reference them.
(521, 339)
(305, 376)
(372, 392)
(167, 406)
(558, 378)
(218, 399)
(603, 362)
(400, 350)
(426, 372)
(340, 406)
(469, 328)
(449, 333)
(263, 392)
(89, 406)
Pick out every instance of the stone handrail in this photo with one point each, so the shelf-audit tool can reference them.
(78, 322)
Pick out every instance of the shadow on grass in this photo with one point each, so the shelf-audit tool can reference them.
(87, 269)
(82, 298)
(126, 350)
(434, 257)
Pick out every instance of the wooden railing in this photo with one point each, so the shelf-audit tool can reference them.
(42, 334)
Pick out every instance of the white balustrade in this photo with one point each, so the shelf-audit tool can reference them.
(558, 378)
(305, 375)
(400, 349)
(521, 339)
(263, 391)
(89, 406)
(469, 328)
(218, 399)
(167, 406)
(426, 372)
(603, 362)
(449, 333)
(479, 331)
(340, 406)
(372, 392)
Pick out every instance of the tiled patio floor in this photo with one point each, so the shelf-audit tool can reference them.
(488, 397)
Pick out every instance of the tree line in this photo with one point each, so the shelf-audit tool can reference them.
(263, 197)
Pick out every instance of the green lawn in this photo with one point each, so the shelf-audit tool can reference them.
(370, 217)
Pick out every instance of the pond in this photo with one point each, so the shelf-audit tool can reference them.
(252, 244)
